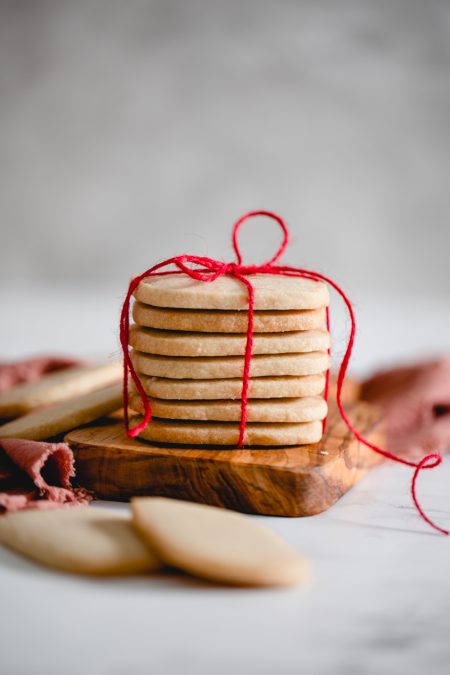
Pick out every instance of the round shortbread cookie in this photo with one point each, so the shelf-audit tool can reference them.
(211, 368)
(216, 544)
(58, 386)
(258, 387)
(287, 410)
(175, 343)
(222, 321)
(227, 433)
(271, 292)
(55, 419)
(82, 539)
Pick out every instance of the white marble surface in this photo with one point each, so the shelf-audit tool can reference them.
(379, 601)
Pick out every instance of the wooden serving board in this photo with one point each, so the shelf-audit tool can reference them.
(290, 481)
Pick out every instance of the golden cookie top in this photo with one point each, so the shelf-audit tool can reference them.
(271, 292)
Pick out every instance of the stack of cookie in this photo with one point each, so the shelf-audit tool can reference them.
(188, 344)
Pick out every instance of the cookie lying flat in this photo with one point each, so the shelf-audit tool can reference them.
(307, 409)
(60, 417)
(216, 544)
(83, 540)
(259, 387)
(58, 386)
(217, 367)
(175, 343)
(271, 292)
(220, 321)
(227, 433)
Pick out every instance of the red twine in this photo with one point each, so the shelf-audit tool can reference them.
(208, 270)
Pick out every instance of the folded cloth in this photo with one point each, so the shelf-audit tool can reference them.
(32, 369)
(416, 400)
(37, 475)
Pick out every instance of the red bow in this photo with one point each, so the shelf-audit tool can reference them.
(208, 270)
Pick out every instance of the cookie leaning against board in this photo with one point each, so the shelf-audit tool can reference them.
(57, 387)
(61, 417)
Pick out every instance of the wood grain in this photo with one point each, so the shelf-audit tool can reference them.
(290, 481)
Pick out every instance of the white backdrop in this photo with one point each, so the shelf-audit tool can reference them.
(132, 131)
